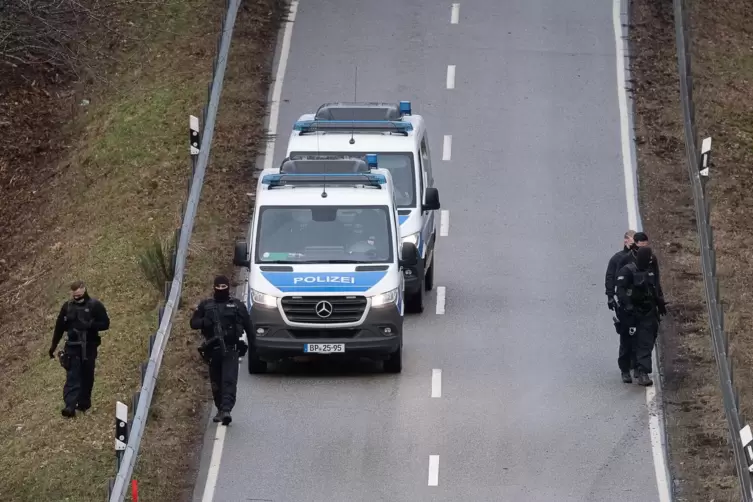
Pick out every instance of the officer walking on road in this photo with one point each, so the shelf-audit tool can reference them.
(626, 352)
(81, 318)
(640, 297)
(222, 320)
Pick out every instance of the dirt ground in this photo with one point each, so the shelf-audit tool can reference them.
(701, 457)
(91, 172)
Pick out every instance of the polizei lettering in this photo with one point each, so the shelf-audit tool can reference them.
(324, 279)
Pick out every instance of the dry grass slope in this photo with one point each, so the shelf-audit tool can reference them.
(86, 188)
(722, 67)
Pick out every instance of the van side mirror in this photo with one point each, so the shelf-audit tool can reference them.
(410, 255)
(432, 200)
(240, 255)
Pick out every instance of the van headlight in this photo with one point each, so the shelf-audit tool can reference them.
(384, 299)
(412, 238)
(263, 300)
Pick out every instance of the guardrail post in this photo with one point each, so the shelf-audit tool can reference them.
(121, 430)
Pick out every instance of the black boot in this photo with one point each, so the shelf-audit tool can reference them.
(83, 407)
(68, 412)
(226, 418)
(626, 378)
(643, 379)
(218, 417)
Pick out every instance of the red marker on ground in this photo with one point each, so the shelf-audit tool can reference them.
(135, 490)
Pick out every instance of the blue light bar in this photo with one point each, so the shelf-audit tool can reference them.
(346, 125)
(405, 108)
(371, 160)
(277, 179)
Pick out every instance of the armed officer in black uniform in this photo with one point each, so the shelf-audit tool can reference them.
(81, 318)
(639, 295)
(222, 320)
(626, 352)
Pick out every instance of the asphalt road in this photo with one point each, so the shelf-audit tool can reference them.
(532, 407)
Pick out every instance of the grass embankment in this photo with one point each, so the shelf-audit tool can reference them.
(722, 69)
(87, 192)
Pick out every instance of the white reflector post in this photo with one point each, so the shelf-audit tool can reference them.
(121, 426)
(194, 139)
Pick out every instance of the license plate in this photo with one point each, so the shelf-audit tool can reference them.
(324, 348)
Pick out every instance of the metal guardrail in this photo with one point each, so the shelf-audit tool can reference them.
(134, 431)
(698, 164)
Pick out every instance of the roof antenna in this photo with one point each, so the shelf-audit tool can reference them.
(324, 181)
(355, 100)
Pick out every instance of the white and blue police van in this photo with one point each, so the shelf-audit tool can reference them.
(401, 140)
(325, 263)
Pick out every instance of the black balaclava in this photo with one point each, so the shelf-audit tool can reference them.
(221, 295)
(643, 258)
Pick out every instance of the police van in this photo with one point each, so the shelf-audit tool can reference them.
(325, 263)
(401, 141)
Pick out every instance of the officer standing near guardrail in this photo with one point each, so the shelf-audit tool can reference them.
(81, 318)
(640, 239)
(626, 352)
(639, 296)
(222, 320)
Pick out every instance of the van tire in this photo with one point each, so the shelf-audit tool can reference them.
(415, 303)
(256, 366)
(429, 278)
(394, 363)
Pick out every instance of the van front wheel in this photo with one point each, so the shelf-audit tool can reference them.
(394, 364)
(429, 279)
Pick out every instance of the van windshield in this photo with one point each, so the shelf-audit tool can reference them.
(324, 234)
(400, 165)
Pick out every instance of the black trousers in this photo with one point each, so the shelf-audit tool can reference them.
(646, 329)
(79, 378)
(626, 353)
(223, 375)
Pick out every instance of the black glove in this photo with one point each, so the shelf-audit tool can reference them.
(610, 303)
(242, 348)
(662, 307)
(52, 352)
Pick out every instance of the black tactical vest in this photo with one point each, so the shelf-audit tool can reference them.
(643, 290)
(79, 317)
(229, 318)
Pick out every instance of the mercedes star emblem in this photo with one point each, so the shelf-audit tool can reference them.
(323, 309)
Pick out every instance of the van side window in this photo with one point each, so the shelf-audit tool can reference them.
(426, 161)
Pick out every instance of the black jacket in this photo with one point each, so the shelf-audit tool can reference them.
(630, 258)
(612, 269)
(100, 321)
(202, 320)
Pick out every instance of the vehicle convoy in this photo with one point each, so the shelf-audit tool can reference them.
(351, 130)
(325, 263)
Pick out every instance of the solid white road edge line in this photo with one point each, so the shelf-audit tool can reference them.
(444, 223)
(433, 470)
(440, 300)
(627, 152)
(451, 76)
(436, 383)
(447, 147)
(455, 13)
(654, 409)
(274, 112)
(214, 464)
